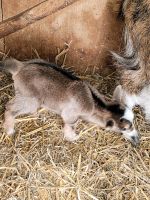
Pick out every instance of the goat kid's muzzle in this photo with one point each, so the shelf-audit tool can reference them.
(132, 136)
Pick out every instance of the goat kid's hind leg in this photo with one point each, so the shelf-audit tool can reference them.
(9, 119)
(69, 126)
(15, 107)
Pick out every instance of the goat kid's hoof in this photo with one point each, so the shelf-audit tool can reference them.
(71, 138)
(9, 131)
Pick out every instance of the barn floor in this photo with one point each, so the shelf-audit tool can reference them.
(39, 165)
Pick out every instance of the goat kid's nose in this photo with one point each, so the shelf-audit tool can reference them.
(135, 140)
(133, 137)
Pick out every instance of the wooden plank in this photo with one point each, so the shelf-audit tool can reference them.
(11, 8)
(89, 25)
(32, 15)
(14, 7)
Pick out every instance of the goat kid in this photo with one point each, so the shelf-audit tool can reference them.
(134, 65)
(39, 84)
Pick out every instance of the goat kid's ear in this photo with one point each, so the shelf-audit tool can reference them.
(118, 94)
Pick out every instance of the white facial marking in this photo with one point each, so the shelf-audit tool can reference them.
(130, 100)
(133, 136)
(130, 133)
(129, 115)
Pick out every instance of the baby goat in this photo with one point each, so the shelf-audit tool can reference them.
(134, 65)
(41, 84)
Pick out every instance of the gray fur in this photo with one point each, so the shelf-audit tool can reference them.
(40, 84)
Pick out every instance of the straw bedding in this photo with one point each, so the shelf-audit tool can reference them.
(39, 165)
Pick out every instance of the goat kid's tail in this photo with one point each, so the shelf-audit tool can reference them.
(11, 65)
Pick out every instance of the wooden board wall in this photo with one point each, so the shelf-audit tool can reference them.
(90, 25)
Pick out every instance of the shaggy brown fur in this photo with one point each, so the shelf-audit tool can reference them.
(136, 14)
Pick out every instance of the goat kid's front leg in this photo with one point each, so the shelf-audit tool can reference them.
(15, 107)
(9, 122)
(9, 118)
(69, 126)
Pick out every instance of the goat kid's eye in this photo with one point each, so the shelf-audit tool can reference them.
(121, 120)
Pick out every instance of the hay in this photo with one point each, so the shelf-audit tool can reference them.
(39, 165)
